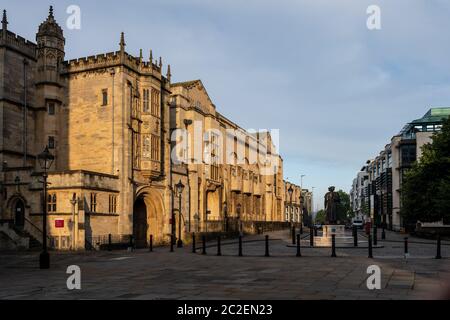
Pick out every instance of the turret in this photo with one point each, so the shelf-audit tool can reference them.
(50, 49)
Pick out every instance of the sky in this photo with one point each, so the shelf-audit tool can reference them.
(336, 90)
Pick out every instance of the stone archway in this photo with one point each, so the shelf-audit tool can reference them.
(140, 224)
(148, 217)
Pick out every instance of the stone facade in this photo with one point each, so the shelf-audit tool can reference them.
(225, 184)
(108, 121)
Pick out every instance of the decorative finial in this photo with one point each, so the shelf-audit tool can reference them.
(140, 55)
(160, 62)
(168, 75)
(4, 21)
(151, 56)
(122, 41)
(50, 12)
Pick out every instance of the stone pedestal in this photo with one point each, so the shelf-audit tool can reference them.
(339, 231)
(336, 229)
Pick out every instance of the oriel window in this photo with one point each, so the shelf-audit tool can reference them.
(155, 103)
(146, 96)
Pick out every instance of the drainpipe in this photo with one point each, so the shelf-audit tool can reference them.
(113, 72)
(25, 124)
(188, 122)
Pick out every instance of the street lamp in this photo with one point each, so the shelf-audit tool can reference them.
(225, 215)
(180, 187)
(290, 191)
(45, 161)
(73, 202)
(238, 212)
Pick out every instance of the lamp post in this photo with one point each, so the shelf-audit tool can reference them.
(180, 187)
(225, 215)
(73, 202)
(290, 191)
(45, 161)
(238, 212)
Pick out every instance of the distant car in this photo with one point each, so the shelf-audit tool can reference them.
(318, 226)
(358, 224)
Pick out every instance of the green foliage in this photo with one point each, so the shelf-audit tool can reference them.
(426, 187)
(320, 217)
(344, 210)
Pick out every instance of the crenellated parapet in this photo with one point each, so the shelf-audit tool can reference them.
(18, 43)
(112, 59)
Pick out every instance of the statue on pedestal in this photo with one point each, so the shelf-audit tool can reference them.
(331, 201)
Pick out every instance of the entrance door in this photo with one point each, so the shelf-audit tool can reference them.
(140, 223)
(19, 214)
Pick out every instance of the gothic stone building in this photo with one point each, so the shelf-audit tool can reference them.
(106, 119)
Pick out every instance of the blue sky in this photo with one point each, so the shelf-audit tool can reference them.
(311, 68)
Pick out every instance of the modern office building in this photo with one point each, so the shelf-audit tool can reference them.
(376, 191)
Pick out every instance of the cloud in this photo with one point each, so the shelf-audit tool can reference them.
(336, 90)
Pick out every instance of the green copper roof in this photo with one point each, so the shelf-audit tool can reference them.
(434, 115)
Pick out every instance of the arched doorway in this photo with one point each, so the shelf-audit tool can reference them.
(140, 224)
(19, 214)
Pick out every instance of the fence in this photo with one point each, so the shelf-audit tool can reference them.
(109, 242)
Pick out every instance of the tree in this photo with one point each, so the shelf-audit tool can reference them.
(320, 217)
(344, 210)
(426, 187)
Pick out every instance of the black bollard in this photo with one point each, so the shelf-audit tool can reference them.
(311, 237)
(267, 246)
(299, 254)
(333, 245)
(438, 249)
(293, 234)
(355, 236)
(150, 244)
(219, 250)
(109, 242)
(370, 246)
(375, 235)
(203, 244)
(171, 243)
(406, 245)
(240, 246)
(315, 232)
(383, 233)
(301, 229)
(194, 250)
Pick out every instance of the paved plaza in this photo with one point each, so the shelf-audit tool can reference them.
(184, 275)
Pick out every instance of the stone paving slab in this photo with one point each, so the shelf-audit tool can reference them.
(183, 275)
